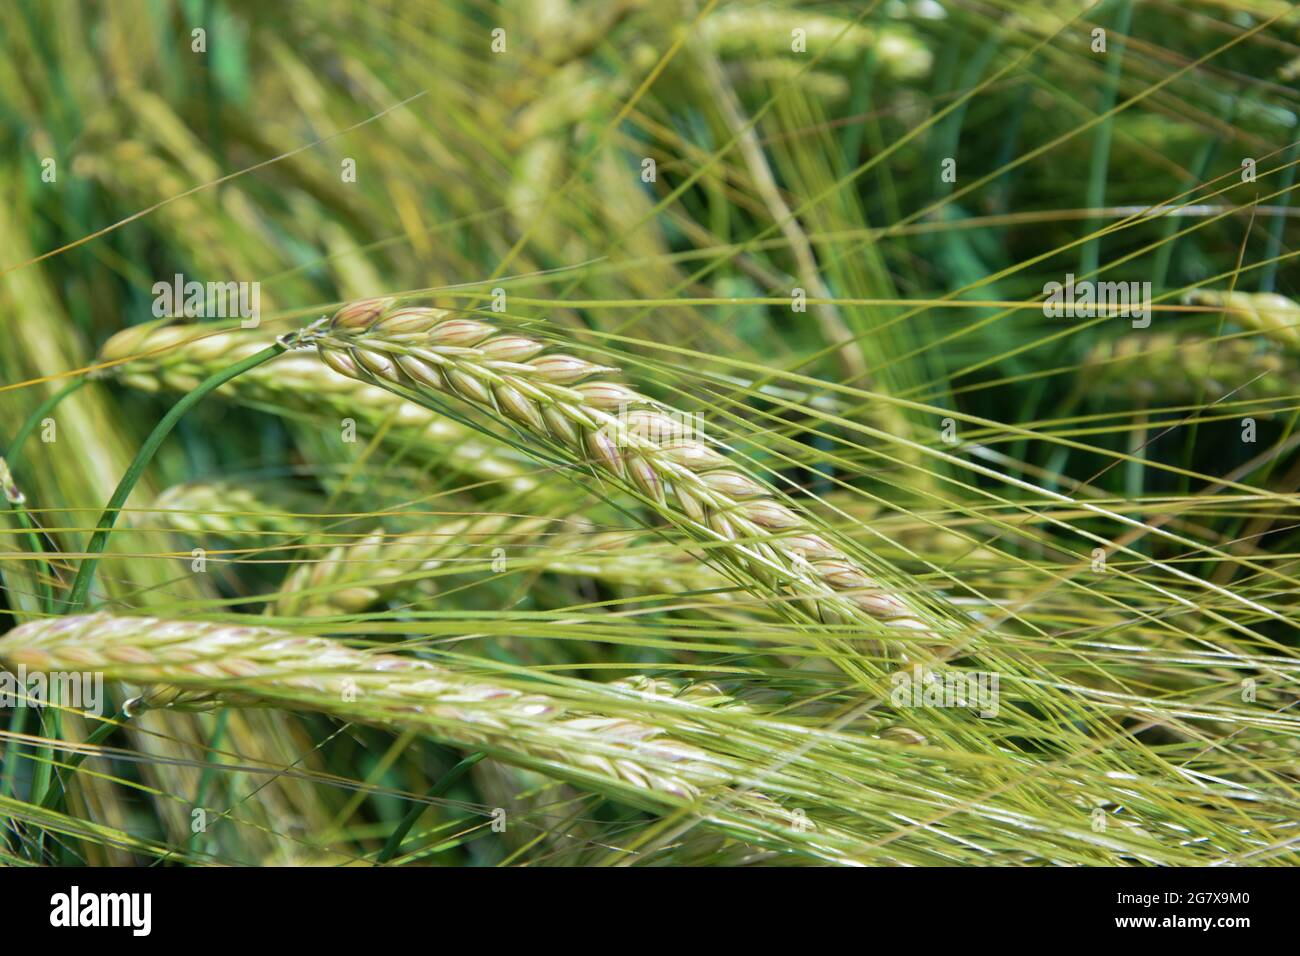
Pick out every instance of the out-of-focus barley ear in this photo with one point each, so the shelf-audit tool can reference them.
(749, 32)
(1168, 368)
(246, 514)
(356, 576)
(1275, 315)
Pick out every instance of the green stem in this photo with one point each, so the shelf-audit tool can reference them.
(33, 543)
(99, 540)
(41, 773)
(205, 778)
(1096, 195)
(9, 775)
(444, 783)
(43, 770)
(54, 797)
(1168, 242)
(1268, 278)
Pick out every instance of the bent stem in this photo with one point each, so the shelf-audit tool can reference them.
(99, 540)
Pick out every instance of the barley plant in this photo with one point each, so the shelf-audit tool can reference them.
(702, 432)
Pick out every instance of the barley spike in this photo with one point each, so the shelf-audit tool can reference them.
(600, 423)
(197, 665)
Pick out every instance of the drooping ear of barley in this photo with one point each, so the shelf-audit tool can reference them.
(177, 357)
(773, 74)
(1275, 315)
(200, 665)
(242, 513)
(353, 577)
(574, 407)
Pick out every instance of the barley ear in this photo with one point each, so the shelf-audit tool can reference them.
(573, 406)
(198, 665)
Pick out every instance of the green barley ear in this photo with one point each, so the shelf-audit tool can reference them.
(358, 575)
(572, 405)
(352, 577)
(196, 665)
(1167, 368)
(1274, 315)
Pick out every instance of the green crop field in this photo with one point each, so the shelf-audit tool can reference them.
(629, 433)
